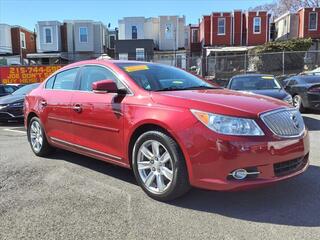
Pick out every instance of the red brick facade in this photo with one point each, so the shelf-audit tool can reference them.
(306, 28)
(235, 29)
(30, 41)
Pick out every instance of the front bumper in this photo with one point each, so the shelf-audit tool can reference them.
(11, 113)
(210, 167)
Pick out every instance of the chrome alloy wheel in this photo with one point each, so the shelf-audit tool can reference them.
(36, 136)
(155, 166)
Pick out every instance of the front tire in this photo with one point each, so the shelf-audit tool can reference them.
(297, 103)
(159, 166)
(37, 138)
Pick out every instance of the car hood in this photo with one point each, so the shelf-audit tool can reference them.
(11, 98)
(275, 93)
(220, 101)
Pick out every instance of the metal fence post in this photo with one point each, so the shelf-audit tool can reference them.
(283, 67)
(245, 62)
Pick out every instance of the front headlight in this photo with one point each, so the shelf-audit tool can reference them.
(228, 125)
(288, 99)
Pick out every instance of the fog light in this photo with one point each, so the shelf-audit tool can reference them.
(239, 174)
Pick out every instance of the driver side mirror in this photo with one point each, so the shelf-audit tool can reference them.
(108, 86)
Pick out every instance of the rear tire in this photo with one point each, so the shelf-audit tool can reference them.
(38, 139)
(159, 166)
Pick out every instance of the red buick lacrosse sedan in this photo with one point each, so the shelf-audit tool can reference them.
(172, 128)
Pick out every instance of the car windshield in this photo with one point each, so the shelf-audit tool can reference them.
(248, 83)
(153, 77)
(25, 89)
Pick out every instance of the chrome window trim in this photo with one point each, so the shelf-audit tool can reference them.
(262, 115)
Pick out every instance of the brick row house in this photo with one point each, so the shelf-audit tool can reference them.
(304, 23)
(232, 33)
(235, 29)
(15, 43)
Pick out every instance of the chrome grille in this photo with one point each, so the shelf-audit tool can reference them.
(284, 122)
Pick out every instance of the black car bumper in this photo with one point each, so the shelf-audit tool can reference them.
(313, 101)
(11, 113)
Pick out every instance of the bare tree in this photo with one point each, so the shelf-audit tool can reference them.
(280, 7)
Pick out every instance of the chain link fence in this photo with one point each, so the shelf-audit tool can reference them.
(219, 67)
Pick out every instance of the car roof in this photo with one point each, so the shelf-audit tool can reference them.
(307, 76)
(252, 75)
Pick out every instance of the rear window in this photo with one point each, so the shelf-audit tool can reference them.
(247, 83)
(311, 79)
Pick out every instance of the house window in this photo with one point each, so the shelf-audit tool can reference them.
(23, 39)
(168, 31)
(134, 32)
(140, 54)
(221, 26)
(313, 21)
(112, 38)
(195, 34)
(257, 25)
(83, 34)
(123, 56)
(48, 35)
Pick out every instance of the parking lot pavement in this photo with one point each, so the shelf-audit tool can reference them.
(70, 196)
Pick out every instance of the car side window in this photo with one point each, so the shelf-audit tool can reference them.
(49, 83)
(9, 89)
(65, 80)
(2, 89)
(91, 74)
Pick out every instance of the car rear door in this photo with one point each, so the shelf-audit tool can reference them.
(56, 106)
(98, 117)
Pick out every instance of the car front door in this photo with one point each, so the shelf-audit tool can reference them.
(56, 106)
(98, 117)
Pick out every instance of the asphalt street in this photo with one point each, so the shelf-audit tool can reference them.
(68, 196)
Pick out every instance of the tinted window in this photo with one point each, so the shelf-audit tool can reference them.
(254, 83)
(1, 89)
(310, 80)
(49, 83)
(9, 89)
(65, 80)
(91, 74)
(154, 77)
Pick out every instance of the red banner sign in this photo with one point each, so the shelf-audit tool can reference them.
(29, 74)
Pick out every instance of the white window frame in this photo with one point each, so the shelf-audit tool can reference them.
(254, 25)
(313, 29)
(224, 26)
(45, 36)
(23, 37)
(140, 51)
(87, 33)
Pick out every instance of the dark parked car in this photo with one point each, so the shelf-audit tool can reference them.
(305, 90)
(260, 84)
(7, 89)
(11, 106)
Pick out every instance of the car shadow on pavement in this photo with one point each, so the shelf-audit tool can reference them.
(312, 123)
(95, 165)
(294, 202)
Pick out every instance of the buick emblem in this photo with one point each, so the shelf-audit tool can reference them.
(295, 120)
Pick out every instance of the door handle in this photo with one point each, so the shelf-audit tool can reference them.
(43, 103)
(77, 108)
